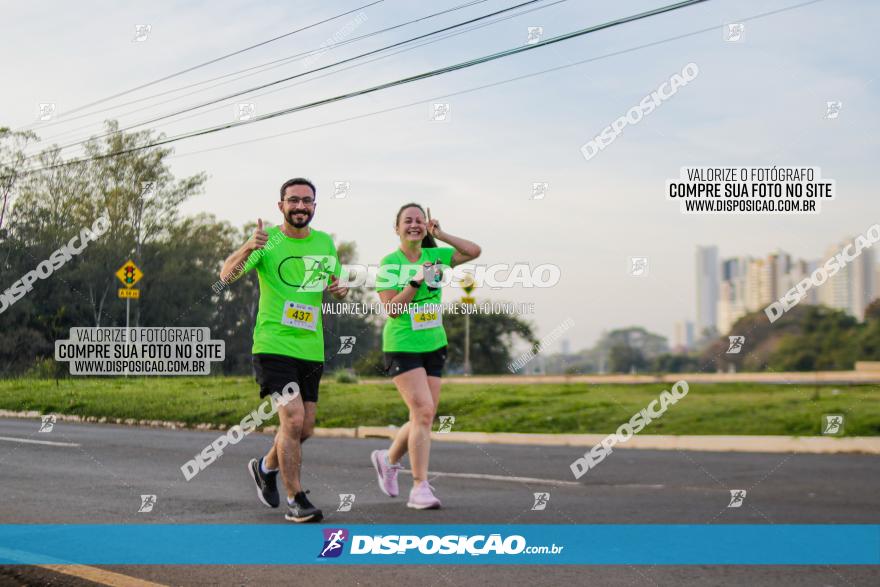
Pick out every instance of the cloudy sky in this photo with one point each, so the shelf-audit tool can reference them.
(760, 101)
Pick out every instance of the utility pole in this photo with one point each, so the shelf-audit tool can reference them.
(467, 284)
(467, 344)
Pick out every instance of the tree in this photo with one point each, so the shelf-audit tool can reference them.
(55, 204)
(12, 162)
(180, 256)
(806, 338)
(869, 345)
(625, 359)
(829, 340)
(670, 363)
(762, 338)
(650, 345)
(493, 337)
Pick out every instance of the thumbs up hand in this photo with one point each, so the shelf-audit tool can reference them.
(260, 237)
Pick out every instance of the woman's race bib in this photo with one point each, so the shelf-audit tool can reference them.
(426, 316)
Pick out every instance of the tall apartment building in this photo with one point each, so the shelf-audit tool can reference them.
(854, 286)
(741, 285)
(750, 285)
(707, 288)
(683, 337)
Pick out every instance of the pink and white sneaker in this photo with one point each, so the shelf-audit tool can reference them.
(386, 473)
(422, 497)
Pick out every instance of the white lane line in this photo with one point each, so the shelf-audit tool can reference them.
(502, 478)
(536, 481)
(629, 485)
(29, 441)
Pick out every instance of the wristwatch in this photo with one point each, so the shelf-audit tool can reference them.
(433, 275)
(415, 283)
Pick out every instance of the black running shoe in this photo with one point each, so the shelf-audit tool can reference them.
(302, 510)
(267, 489)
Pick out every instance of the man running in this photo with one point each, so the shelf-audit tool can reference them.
(295, 264)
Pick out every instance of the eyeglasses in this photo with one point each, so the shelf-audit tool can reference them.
(308, 200)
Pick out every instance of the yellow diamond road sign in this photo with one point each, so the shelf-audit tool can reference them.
(129, 274)
(468, 284)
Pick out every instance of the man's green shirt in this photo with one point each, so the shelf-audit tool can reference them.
(293, 273)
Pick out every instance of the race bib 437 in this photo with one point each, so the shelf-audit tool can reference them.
(300, 316)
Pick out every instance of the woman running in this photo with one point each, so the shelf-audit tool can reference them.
(414, 341)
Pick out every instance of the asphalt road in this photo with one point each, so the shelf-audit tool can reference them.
(101, 481)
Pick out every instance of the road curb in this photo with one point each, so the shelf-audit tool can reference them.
(765, 444)
(863, 376)
(770, 444)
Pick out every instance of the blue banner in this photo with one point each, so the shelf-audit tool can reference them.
(611, 544)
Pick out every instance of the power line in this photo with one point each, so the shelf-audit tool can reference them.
(328, 74)
(426, 75)
(274, 63)
(276, 82)
(410, 79)
(221, 58)
(713, 28)
(267, 65)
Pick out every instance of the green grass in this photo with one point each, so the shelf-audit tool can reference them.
(721, 408)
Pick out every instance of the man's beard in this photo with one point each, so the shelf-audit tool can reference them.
(299, 223)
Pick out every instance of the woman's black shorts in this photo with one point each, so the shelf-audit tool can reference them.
(432, 362)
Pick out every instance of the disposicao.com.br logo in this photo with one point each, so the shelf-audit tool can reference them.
(334, 542)
(431, 544)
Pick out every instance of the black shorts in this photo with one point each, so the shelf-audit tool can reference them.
(432, 361)
(273, 372)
